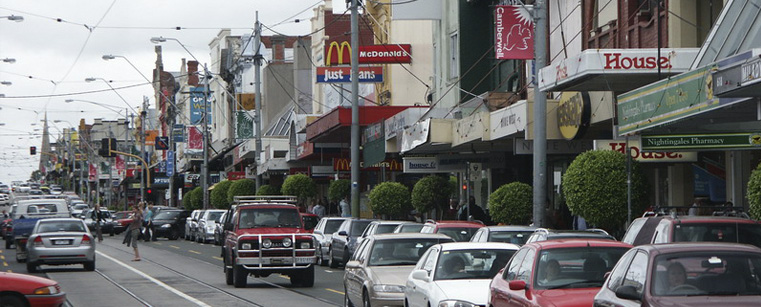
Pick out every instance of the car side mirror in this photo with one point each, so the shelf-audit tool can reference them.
(628, 293)
(353, 264)
(421, 275)
(343, 233)
(516, 285)
(228, 227)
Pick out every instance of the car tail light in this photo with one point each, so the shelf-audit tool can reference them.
(37, 241)
(86, 240)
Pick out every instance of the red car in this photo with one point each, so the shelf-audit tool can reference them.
(27, 290)
(555, 273)
(121, 221)
(460, 231)
(309, 220)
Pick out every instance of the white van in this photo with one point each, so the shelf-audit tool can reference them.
(40, 208)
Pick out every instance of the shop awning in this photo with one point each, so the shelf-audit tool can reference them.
(335, 126)
(614, 70)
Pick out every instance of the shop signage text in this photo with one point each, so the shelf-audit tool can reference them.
(616, 60)
(340, 53)
(750, 140)
(345, 165)
(421, 165)
(514, 33)
(368, 74)
(645, 156)
(573, 114)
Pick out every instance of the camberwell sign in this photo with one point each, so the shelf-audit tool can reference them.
(340, 53)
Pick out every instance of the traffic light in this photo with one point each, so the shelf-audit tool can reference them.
(107, 146)
(149, 191)
(33, 150)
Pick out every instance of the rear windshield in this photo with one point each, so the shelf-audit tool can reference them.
(459, 234)
(385, 228)
(42, 208)
(718, 232)
(358, 227)
(515, 237)
(213, 216)
(332, 225)
(67, 226)
(167, 215)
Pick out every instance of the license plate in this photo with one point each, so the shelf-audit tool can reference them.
(276, 261)
(61, 242)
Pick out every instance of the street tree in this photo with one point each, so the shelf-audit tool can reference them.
(299, 185)
(431, 192)
(196, 198)
(390, 198)
(339, 189)
(754, 193)
(267, 189)
(241, 187)
(218, 195)
(511, 204)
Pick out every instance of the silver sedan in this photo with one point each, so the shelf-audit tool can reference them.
(60, 241)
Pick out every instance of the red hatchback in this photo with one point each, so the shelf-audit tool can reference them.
(565, 273)
(27, 290)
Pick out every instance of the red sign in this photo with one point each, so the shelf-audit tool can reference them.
(514, 33)
(344, 164)
(93, 172)
(340, 53)
(235, 175)
(195, 138)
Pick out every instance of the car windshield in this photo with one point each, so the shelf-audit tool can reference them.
(358, 227)
(718, 232)
(269, 217)
(80, 206)
(515, 237)
(582, 267)
(213, 216)
(332, 226)
(392, 252)
(61, 226)
(410, 228)
(471, 263)
(708, 273)
(167, 215)
(459, 234)
(385, 228)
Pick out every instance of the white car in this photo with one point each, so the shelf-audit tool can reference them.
(456, 274)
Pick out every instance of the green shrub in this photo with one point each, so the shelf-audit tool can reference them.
(186, 200)
(754, 193)
(431, 192)
(241, 187)
(512, 204)
(299, 185)
(339, 189)
(196, 198)
(218, 196)
(595, 188)
(268, 190)
(390, 198)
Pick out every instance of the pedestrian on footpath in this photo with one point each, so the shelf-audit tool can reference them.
(134, 228)
(97, 217)
(319, 210)
(345, 208)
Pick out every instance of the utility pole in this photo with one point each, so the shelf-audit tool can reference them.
(354, 110)
(540, 114)
(205, 167)
(143, 170)
(258, 98)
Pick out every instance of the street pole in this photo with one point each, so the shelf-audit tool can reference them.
(540, 113)
(354, 110)
(143, 170)
(205, 167)
(258, 98)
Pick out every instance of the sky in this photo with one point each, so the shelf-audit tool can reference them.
(60, 43)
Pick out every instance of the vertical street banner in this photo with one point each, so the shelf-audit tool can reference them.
(93, 172)
(244, 125)
(514, 33)
(197, 106)
(170, 163)
(195, 139)
(120, 165)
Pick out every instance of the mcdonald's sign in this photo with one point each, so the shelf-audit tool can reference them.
(344, 164)
(341, 164)
(340, 53)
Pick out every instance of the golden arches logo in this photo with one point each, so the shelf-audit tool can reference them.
(340, 49)
(342, 165)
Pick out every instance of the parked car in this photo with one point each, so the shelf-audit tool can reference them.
(106, 224)
(309, 220)
(668, 229)
(460, 231)
(191, 223)
(564, 273)
(170, 224)
(76, 209)
(219, 229)
(58, 241)
(507, 234)
(28, 290)
(206, 225)
(374, 275)
(408, 227)
(544, 234)
(455, 274)
(122, 220)
(323, 234)
(685, 274)
(344, 241)
(378, 227)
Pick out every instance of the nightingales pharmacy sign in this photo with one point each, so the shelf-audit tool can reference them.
(339, 53)
(514, 32)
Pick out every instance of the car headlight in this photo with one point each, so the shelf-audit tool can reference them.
(305, 245)
(455, 303)
(246, 246)
(389, 288)
(287, 242)
(49, 290)
(166, 226)
(267, 243)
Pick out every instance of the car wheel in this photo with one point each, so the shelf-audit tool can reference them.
(345, 257)
(320, 259)
(228, 274)
(332, 261)
(240, 276)
(347, 302)
(12, 301)
(174, 235)
(8, 243)
(111, 233)
(31, 267)
(365, 299)
(90, 266)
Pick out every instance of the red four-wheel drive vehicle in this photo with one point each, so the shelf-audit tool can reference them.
(265, 235)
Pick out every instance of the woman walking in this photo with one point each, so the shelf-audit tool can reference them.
(134, 228)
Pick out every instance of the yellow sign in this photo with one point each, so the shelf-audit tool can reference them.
(338, 47)
(247, 101)
(573, 114)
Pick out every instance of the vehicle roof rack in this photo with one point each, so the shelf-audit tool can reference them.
(266, 199)
(675, 211)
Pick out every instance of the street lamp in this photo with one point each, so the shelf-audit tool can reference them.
(6, 82)
(14, 18)
(108, 82)
(109, 107)
(9, 60)
(206, 136)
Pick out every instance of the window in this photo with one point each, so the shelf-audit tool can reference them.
(430, 261)
(637, 272)
(512, 268)
(617, 275)
(453, 52)
(527, 266)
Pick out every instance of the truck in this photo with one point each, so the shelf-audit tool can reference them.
(26, 213)
(265, 235)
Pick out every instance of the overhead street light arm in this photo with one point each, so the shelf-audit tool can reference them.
(91, 79)
(15, 18)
